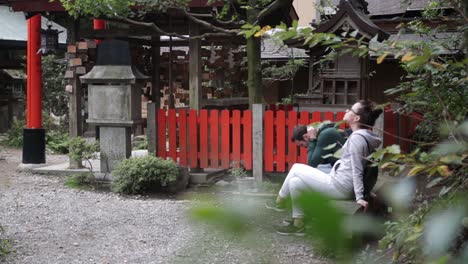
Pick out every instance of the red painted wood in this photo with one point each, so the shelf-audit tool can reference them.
(390, 128)
(34, 73)
(182, 123)
(214, 139)
(339, 117)
(405, 132)
(172, 131)
(161, 146)
(236, 137)
(269, 136)
(225, 139)
(280, 141)
(316, 117)
(328, 116)
(36, 6)
(203, 138)
(193, 139)
(305, 120)
(292, 147)
(99, 24)
(247, 130)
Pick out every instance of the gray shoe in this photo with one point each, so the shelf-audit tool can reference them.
(291, 230)
(273, 205)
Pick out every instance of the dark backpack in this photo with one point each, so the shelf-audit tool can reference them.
(370, 173)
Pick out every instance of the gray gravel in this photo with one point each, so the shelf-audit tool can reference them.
(47, 222)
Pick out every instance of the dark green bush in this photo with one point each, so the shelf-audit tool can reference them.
(143, 174)
(80, 180)
(5, 246)
(56, 136)
(15, 134)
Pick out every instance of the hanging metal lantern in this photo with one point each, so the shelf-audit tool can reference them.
(49, 39)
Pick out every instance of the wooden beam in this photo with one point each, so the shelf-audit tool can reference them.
(195, 68)
(75, 119)
(155, 75)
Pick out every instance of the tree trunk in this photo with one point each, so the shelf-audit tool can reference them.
(254, 80)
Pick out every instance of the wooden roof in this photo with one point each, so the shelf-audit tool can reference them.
(347, 15)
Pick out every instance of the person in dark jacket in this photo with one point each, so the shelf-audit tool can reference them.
(321, 143)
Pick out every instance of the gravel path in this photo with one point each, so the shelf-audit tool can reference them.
(47, 222)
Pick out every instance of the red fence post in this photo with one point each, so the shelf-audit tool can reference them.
(225, 139)
(390, 127)
(193, 139)
(172, 131)
(269, 144)
(203, 138)
(236, 137)
(182, 122)
(292, 148)
(214, 139)
(305, 120)
(247, 150)
(161, 147)
(280, 140)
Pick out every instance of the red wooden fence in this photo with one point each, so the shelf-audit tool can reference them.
(221, 139)
(399, 128)
(212, 139)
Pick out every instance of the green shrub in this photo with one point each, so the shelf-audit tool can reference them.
(80, 180)
(15, 134)
(56, 136)
(142, 143)
(5, 246)
(81, 150)
(143, 174)
(58, 142)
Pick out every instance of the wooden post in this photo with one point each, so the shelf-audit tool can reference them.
(257, 142)
(195, 63)
(152, 129)
(311, 74)
(75, 118)
(155, 77)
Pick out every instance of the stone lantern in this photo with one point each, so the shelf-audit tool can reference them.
(114, 101)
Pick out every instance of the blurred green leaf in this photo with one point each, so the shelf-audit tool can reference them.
(226, 218)
(325, 221)
(441, 229)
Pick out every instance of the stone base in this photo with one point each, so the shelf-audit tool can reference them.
(115, 144)
(29, 167)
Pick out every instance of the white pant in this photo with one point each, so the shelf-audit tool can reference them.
(302, 178)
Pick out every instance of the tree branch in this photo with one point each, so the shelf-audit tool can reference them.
(459, 10)
(277, 4)
(207, 24)
(216, 20)
(170, 34)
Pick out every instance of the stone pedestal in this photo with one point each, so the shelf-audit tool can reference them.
(115, 146)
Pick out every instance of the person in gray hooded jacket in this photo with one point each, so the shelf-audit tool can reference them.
(346, 177)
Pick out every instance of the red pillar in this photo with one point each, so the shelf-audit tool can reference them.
(99, 24)
(34, 134)
(34, 81)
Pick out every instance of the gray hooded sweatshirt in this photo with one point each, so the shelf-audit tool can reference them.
(347, 172)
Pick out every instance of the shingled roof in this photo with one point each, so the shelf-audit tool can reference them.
(391, 7)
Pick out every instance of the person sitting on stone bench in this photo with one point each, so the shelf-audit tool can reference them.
(345, 180)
